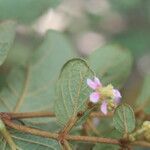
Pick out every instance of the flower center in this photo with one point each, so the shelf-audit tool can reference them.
(106, 92)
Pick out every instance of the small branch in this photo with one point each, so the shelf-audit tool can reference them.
(66, 145)
(141, 143)
(69, 125)
(70, 137)
(9, 140)
(92, 139)
(56, 136)
(30, 130)
(26, 115)
(4, 132)
(30, 115)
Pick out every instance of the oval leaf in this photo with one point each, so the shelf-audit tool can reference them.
(72, 90)
(124, 119)
(32, 88)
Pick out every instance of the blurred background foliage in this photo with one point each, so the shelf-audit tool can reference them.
(88, 25)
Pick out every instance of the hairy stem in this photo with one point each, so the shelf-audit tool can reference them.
(66, 145)
(92, 139)
(71, 123)
(30, 130)
(7, 136)
(31, 115)
(70, 137)
(9, 140)
(25, 115)
(141, 143)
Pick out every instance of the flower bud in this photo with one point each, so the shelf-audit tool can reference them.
(146, 125)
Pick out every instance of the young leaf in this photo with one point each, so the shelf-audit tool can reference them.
(72, 90)
(30, 142)
(112, 64)
(7, 35)
(124, 119)
(32, 88)
(143, 100)
(25, 10)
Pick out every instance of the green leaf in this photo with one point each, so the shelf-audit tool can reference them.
(105, 147)
(124, 5)
(19, 54)
(7, 35)
(30, 142)
(32, 88)
(112, 64)
(143, 100)
(106, 128)
(25, 10)
(124, 119)
(135, 40)
(72, 90)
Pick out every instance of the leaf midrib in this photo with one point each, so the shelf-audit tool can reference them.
(32, 142)
(24, 91)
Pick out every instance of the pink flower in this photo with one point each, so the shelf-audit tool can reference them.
(117, 96)
(94, 97)
(104, 107)
(94, 84)
(108, 96)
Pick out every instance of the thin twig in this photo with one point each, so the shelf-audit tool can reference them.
(71, 123)
(55, 136)
(30, 115)
(25, 115)
(66, 145)
(30, 130)
(70, 137)
(141, 143)
(92, 139)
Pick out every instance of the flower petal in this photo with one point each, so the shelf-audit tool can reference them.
(97, 81)
(117, 96)
(91, 84)
(94, 97)
(104, 107)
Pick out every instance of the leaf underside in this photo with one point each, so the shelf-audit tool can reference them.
(72, 90)
(31, 88)
(124, 119)
(30, 142)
